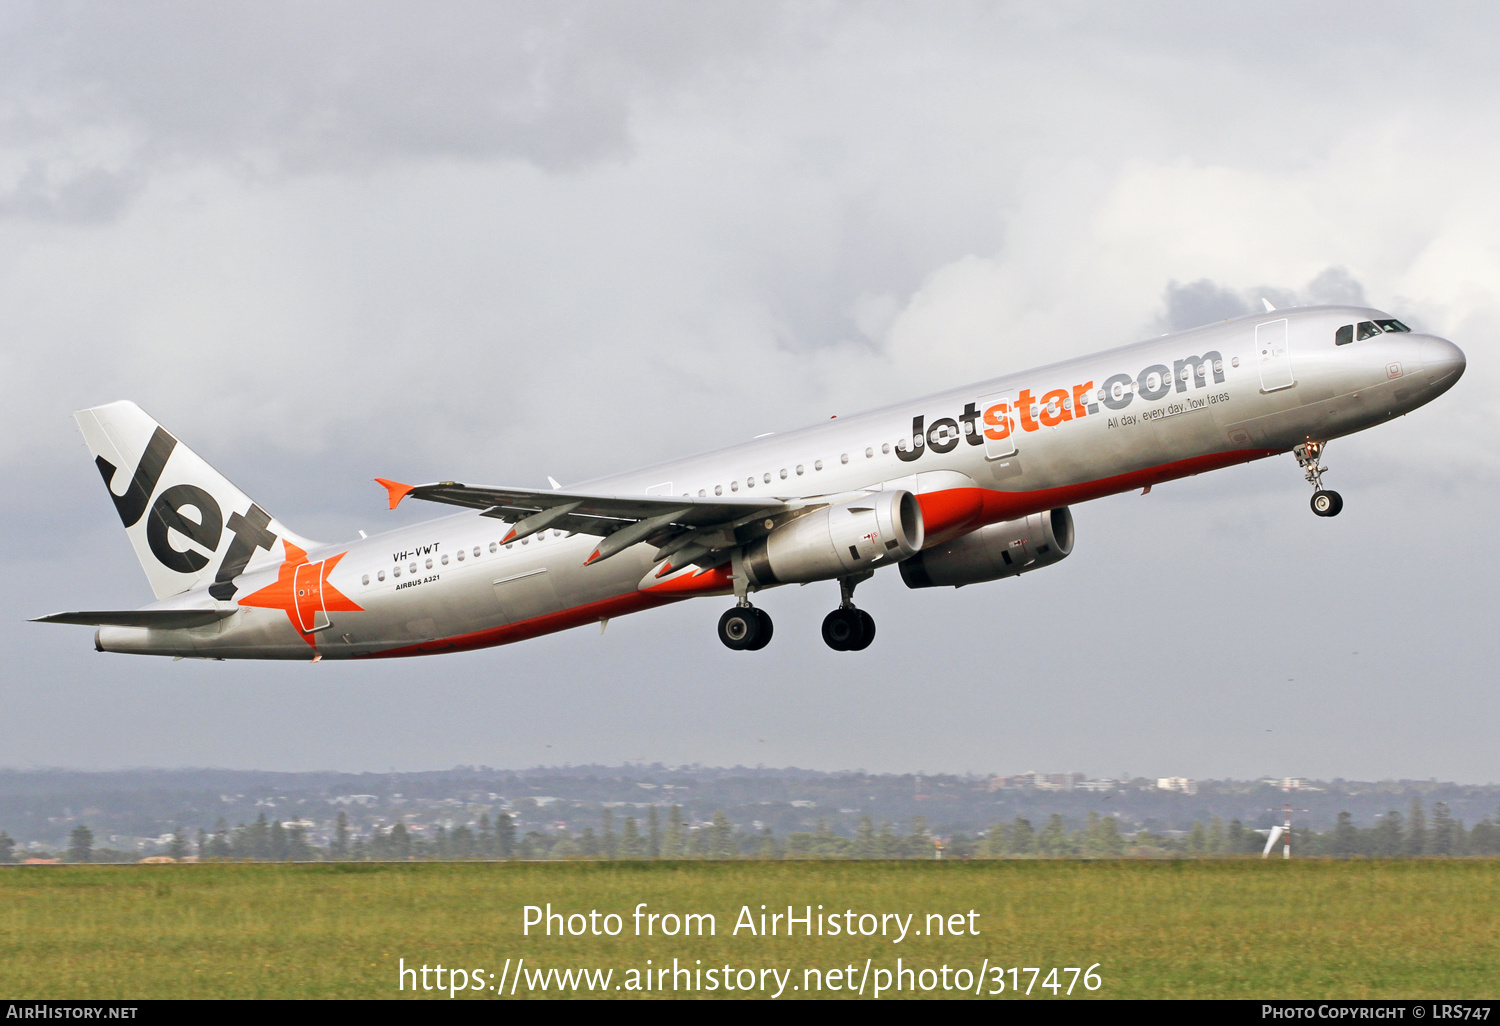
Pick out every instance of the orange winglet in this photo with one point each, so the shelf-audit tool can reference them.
(398, 490)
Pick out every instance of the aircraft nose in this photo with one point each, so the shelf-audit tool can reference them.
(1445, 363)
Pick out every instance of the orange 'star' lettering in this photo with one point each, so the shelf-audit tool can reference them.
(999, 423)
(1024, 402)
(1053, 411)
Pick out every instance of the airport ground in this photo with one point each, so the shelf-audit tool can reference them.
(1200, 928)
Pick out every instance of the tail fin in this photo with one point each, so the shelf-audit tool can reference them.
(190, 527)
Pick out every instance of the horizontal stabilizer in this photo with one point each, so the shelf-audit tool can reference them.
(161, 619)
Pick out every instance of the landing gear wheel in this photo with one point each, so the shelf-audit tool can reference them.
(1326, 503)
(867, 631)
(844, 630)
(741, 628)
(765, 629)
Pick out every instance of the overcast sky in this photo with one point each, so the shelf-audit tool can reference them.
(323, 242)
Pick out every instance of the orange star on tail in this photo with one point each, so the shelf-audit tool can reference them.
(302, 591)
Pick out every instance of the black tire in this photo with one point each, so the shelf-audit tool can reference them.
(765, 629)
(866, 631)
(739, 628)
(1327, 504)
(844, 630)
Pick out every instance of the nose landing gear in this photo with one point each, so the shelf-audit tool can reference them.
(1325, 502)
(848, 629)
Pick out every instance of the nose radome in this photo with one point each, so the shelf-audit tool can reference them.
(1445, 363)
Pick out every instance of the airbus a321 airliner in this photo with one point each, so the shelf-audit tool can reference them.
(957, 488)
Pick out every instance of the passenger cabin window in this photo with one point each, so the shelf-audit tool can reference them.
(783, 474)
(380, 576)
(476, 552)
(445, 559)
(1344, 335)
(493, 547)
(365, 579)
(460, 556)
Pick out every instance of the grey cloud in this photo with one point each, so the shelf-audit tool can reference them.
(299, 87)
(1203, 301)
(1336, 285)
(1199, 302)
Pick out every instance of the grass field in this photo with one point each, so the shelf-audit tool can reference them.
(1232, 928)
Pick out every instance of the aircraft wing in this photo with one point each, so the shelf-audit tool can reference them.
(673, 522)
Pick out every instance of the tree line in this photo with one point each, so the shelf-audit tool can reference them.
(673, 837)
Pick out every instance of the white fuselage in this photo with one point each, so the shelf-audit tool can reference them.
(995, 451)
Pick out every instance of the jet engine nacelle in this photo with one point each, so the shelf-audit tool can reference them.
(990, 553)
(836, 541)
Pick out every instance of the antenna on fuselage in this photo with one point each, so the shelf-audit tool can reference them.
(1269, 307)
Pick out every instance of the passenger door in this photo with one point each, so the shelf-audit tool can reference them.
(998, 419)
(308, 583)
(1274, 355)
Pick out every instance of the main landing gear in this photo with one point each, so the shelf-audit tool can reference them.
(745, 628)
(1325, 503)
(847, 629)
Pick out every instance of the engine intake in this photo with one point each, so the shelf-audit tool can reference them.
(990, 553)
(836, 541)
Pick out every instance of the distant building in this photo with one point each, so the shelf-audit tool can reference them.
(1038, 781)
(1180, 784)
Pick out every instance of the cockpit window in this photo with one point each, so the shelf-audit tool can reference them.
(1367, 329)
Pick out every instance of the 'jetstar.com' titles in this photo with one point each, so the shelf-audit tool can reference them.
(1057, 406)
